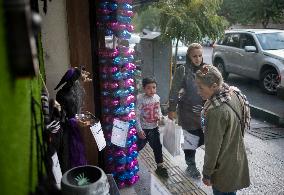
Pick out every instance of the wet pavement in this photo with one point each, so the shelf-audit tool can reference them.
(266, 163)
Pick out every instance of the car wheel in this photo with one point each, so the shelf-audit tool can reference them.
(269, 81)
(221, 67)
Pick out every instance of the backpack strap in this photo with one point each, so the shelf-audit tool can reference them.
(241, 121)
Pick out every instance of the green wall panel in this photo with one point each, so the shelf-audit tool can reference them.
(17, 161)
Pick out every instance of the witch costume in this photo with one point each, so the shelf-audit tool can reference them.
(70, 97)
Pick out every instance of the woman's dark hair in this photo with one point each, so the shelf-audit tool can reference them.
(148, 80)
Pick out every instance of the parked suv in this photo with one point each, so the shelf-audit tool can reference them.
(254, 53)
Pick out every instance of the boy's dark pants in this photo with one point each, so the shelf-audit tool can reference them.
(153, 137)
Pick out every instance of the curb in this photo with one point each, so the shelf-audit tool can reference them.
(266, 115)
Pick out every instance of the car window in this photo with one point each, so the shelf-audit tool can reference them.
(271, 41)
(232, 40)
(246, 40)
(223, 40)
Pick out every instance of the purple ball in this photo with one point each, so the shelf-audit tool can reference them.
(121, 184)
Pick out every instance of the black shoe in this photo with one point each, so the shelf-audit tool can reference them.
(193, 172)
(162, 172)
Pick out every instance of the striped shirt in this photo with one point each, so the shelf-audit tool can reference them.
(148, 111)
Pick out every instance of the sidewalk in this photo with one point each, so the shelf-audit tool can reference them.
(266, 162)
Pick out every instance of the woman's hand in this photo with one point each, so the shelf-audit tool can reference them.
(172, 115)
(207, 181)
(142, 135)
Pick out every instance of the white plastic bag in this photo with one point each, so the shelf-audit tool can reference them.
(190, 141)
(171, 137)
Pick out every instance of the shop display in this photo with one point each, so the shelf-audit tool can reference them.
(117, 72)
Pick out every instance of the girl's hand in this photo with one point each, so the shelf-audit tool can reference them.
(142, 135)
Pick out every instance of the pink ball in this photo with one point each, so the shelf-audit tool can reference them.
(131, 115)
(120, 168)
(104, 11)
(126, 13)
(130, 66)
(114, 102)
(130, 28)
(128, 82)
(105, 85)
(129, 99)
(113, 69)
(119, 153)
(113, 85)
(134, 147)
(121, 184)
(131, 165)
(136, 178)
(131, 181)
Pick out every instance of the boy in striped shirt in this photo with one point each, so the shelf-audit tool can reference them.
(149, 114)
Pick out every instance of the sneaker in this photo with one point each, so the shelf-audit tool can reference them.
(193, 172)
(162, 172)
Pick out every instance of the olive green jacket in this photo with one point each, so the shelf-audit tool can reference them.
(225, 161)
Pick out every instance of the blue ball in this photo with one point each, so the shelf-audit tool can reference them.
(122, 160)
(126, 6)
(124, 19)
(113, 6)
(134, 154)
(131, 89)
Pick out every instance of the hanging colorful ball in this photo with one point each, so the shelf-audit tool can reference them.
(117, 76)
(133, 147)
(103, 5)
(122, 160)
(114, 102)
(130, 66)
(124, 1)
(120, 168)
(123, 34)
(129, 27)
(130, 165)
(125, 6)
(113, 85)
(136, 178)
(129, 99)
(113, 6)
(127, 13)
(104, 11)
(135, 170)
(119, 153)
(131, 89)
(128, 143)
(121, 184)
(134, 154)
(131, 181)
(123, 19)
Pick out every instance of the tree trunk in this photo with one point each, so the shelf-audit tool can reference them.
(175, 56)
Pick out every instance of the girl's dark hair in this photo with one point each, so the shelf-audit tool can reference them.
(148, 80)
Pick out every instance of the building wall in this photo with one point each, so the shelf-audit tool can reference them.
(17, 151)
(55, 42)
